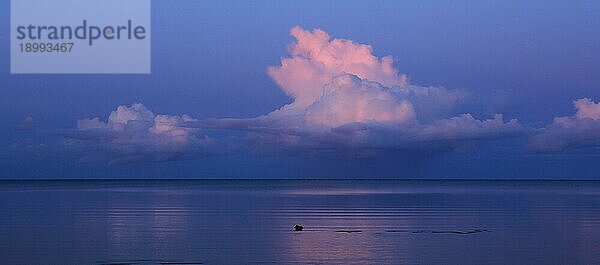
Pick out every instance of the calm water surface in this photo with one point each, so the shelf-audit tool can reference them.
(346, 222)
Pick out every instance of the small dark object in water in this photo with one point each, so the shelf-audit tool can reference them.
(298, 228)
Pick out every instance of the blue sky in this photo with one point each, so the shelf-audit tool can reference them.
(527, 60)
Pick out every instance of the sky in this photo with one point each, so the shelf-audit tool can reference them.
(324, 89)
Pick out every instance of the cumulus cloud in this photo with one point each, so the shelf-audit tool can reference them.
(317, 59)
(345, 96)
(587, 109)
(134, 133)
(318, 64)
(579, 130)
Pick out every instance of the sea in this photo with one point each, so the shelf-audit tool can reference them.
(343, 221)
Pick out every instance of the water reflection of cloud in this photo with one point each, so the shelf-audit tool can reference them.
(152, 225)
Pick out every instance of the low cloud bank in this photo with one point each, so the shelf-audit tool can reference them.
(577, 131)
(343, 98)
(134, 133)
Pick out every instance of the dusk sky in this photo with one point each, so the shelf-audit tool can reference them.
(353, 89)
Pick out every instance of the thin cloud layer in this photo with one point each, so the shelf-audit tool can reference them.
(579, 130)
